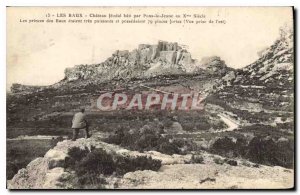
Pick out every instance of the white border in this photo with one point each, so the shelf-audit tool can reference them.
(4, 3)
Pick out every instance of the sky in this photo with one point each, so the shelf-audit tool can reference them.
(38, 53)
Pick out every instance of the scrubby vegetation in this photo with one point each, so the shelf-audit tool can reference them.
(91, 166)
(150, 137)
(219, 160)
(197, 159)
(260, 149)
(264, 150)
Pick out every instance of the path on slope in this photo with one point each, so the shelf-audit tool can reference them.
(232, 124)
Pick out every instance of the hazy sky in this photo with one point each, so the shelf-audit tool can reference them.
(38, 53)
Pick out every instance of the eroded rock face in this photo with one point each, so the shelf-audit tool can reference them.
(135, 63)
(49, 173)
(264, 86)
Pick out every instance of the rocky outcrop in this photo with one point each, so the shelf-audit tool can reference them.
(49, 173)
(177, 171)
(163, 58)
(265, 86)
(147, 60)
(214, 65)
(275, 65)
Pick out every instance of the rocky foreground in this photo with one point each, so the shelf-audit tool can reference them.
(176, 172)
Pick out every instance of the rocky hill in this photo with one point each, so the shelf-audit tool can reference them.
(147, 61)
(257, 100)
(266, 86)
(165, 66)
(275, 65)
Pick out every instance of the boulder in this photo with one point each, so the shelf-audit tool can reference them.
(56, 158)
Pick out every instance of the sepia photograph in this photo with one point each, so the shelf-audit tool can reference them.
(147, 98)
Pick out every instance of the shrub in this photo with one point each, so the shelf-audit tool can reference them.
(219, 161)
(127, 164)
(267, 151)
(92, 181)
(261, 149)
(148, 138)
(90, 167)
(231, 162)
(168, 148)
(147, 142)
(98, 162)
(223, 146)
(77, 153)
(197, 159)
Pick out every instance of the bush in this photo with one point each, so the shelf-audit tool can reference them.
(267, 151)
(77, 153)
(231, 162)
(219, 161)
(224, 146)
(96, 162)
(197, 159)
(149, 138)
(168, 148)
(261, 149)
(127, 164)
(147, 142)
(92, 181)
(90, 167)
